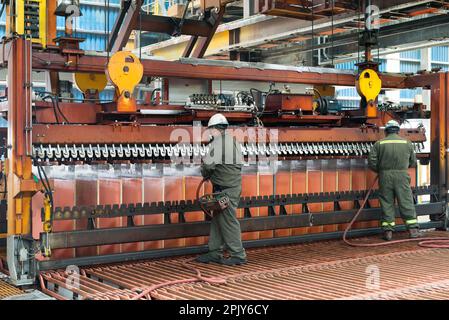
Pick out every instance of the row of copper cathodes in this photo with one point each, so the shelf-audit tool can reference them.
(90, 152)
(90, 185)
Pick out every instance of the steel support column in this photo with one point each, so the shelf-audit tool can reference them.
(203, 42)
(21, 185)
(438, 83)
(439, 135)
(124, 25)
(446, 137)
(19, 166)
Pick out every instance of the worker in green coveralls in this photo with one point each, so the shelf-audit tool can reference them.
(390, 158)
(223, 165)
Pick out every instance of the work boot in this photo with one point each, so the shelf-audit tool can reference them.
(388, 235)
(232, 261)
(415, 233)
(207, 258)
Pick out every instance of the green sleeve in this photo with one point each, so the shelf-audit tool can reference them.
(412, 159)
(373, 160)
(208, 165)
(207, 169)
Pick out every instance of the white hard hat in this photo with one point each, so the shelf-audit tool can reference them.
(217, 119)
(392, 124)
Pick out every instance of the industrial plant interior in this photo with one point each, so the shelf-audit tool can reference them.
(107, 109)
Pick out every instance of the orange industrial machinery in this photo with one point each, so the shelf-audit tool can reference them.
(118, 179)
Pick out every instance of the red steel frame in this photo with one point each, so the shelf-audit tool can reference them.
(108, 134)
(50, 133)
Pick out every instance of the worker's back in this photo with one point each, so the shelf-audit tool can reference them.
(392, 153)
(224, 161)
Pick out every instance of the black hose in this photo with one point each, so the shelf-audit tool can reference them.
(62, 114)
(46, 184)
(55, 104)
(54, 108)
(198, 197)
(152, 95)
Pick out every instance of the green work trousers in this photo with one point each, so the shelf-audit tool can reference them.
(225, 232)
(395, 184)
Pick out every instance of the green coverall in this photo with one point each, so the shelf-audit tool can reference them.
(390, 158)
(223, 165)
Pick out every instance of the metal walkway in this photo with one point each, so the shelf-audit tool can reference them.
(324, 270)
(7, 290)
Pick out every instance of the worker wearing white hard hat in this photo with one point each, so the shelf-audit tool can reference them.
(390, 158)
(218, 120)
(222, 166)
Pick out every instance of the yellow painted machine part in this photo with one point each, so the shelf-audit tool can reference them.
(90, 81)
(43, 22)
(20, 20)
(125, 71)
(368, 85)
(19, 219)
(47, 215)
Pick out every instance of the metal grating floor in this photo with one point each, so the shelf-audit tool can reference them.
(322, 270)
(7, 290)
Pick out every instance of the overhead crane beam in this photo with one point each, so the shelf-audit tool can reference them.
(259, 30)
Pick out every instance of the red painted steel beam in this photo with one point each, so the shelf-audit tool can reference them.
(107, 134)
(174, 69)
(85, 112)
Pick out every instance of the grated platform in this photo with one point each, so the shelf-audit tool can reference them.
(320, 270)
(7, 290)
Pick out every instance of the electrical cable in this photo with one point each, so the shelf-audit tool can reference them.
(152, 94)
(62, 114)
(48, 192)
(198, 198)
(183, 18)
(54, 109)
(197, 278)
(45, 182)
(48, 95)
(55, 104)
(427, 242)
(146, 292)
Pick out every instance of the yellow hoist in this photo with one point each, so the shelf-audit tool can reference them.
(368, 86)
